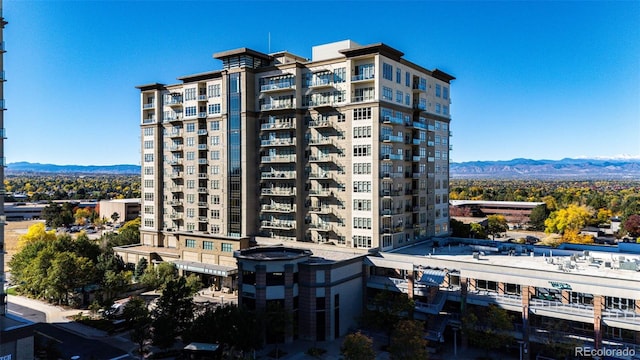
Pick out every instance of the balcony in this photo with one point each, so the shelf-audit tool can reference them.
(391, 175)
(417, 141)
(175, 202)
(175, 134)
(202, 97)
(202, 176)
(430, 159)
(391, 212)
(202, 115)
(278, 191)
(202, 132)
(280, 86)
(278, 106)
(321, 83)
(202, 204)
(363, 77)
(391, 157)
(388, 193)
(172, 118)
(202, 146)
(176, 175)
(318, 124)
(431, 143)
(279, 224)
(321, 176)
(175, 189)
(278, 125)
(320, 192)
(416, 158)
(202, 219)
(392, 138)
(321, 227)
(286, 208)
(203, 161)
(419, 125)
(278, 142)
(392, 120)
(174, 162)
(322, 158)
(279, 159)
(174, 101)
(420, 106)
(358, 99)
(419, 87)
(150, 105)
(392, 229)
(176, 147)
(624, 319)
(176, 215)
(202, 190)
(321, 210)
(149, 120)
(323, 141)
(278, 175)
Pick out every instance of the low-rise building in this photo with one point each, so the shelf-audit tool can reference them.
(127, 209)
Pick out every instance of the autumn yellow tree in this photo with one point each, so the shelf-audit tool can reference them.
(574, 218)
(34, 233)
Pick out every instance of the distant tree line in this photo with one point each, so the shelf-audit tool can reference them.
(70, 187)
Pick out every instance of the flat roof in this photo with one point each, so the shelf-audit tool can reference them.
(496, 203)
(325, 251)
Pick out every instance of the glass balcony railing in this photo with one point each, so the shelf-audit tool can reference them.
(363, 77)
(278, 105)
(278, 158)
(392, 138)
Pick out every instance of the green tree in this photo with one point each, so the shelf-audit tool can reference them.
(489, 328)
(114, 283)
(477, 231)
(67, 273)
(357, 347)
(158, 276)
(174, 312)
(137, 314)
(141, 267)
(387, 308)
(407, 341)
(459, 229)
(497, 225)
(537, 217)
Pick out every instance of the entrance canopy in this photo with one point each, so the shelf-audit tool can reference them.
(203, 268)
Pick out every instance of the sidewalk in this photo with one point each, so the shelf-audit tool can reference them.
(59, 316)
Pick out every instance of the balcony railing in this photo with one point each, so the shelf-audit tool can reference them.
(320, 192)
(363, 77)
(202, 115)
(321, 124)
(279, 191)
(321, 226)
(392, 138)
(149, 105)
(278, 175)
(321, 83)
(278, 86)
(357, 99)
(174, 101)
(202, 132)
(279, 142)
(278, 207)
(323, 158)
(419, 125)
(393, 120)
(278, 106)
(323, 141)
(175, 148)
(278, 125)
(391, 157)
(202, 97)
(149, 120)
(279, 224)
(202, 190)
(278, 159)
(419, 106)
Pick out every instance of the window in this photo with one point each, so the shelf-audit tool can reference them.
(148, 157)
(148, 131)
(339, 75)
(148, 209)
(362, 114)
(215, 214)
(362, 150)
(191, 141)
(445, 92)
(361, 132)
(148, 183)
(445, 110)
(191, 127)
(214, 108)
(438, 90)
(362, 186)
(191, 198)
(387, 71)
(362, 168)
(215, 155)
(360, 241)
(190, 94)
(387, 93)
(215, 125)
(191, 155)
(399, 96)
(215, 169)
(398, 75)
(438, 108)
(341, 117)
(148, 144)
(148, 170)
(213, 90)
(191, 169)
(407, 79)
(191, 213)
(190, 243)
(361, 223)
(407, 100)
(148, 222)
(148, 196)
(207, 245)
(215, 199)
(215, 229)
(191, 184)
(190, 111)
(215, 184)
(361, 205)
(227, 247)
(215, 140)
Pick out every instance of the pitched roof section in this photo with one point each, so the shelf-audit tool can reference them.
(241, 51)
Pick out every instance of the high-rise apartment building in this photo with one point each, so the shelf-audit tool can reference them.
(349, 148)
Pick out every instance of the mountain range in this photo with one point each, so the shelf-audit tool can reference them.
(588, 169)
(570, 169)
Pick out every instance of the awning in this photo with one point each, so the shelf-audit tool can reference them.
(432, 277)
(203, 268)
(389, 264)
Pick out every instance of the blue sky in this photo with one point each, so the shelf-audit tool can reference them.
(539, 80)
